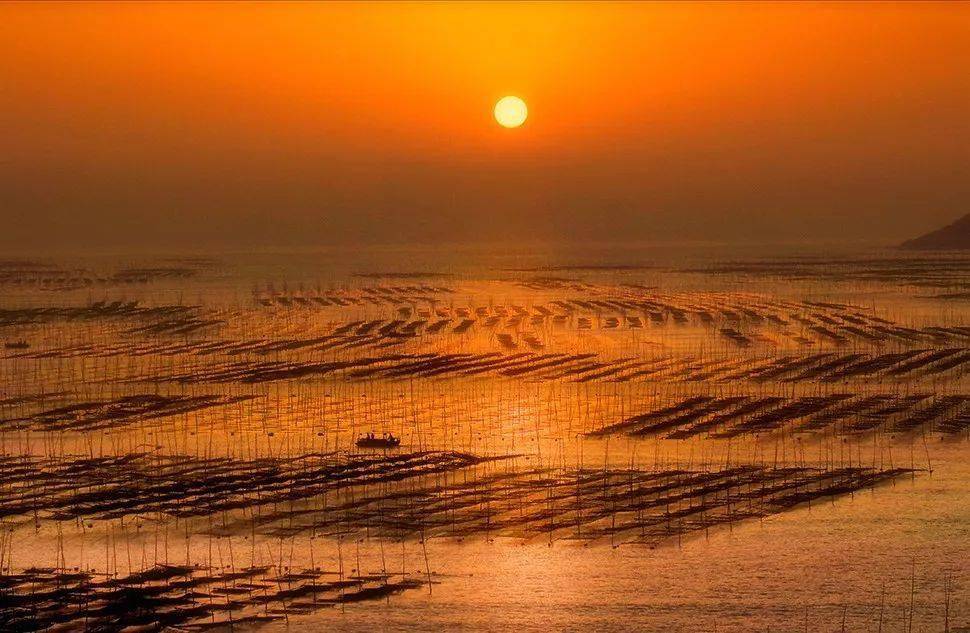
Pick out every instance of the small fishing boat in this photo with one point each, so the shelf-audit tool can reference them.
(370, 440)
(16, 345)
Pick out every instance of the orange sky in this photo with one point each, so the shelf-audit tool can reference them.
(314, 123)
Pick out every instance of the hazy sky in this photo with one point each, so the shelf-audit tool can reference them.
(248, 124)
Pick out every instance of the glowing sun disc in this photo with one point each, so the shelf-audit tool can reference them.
(511, 111)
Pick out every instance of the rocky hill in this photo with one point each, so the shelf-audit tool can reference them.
(954, 236)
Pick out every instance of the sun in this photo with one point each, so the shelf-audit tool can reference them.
(511, 111)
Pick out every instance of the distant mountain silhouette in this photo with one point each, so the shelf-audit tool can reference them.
(954, 236)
